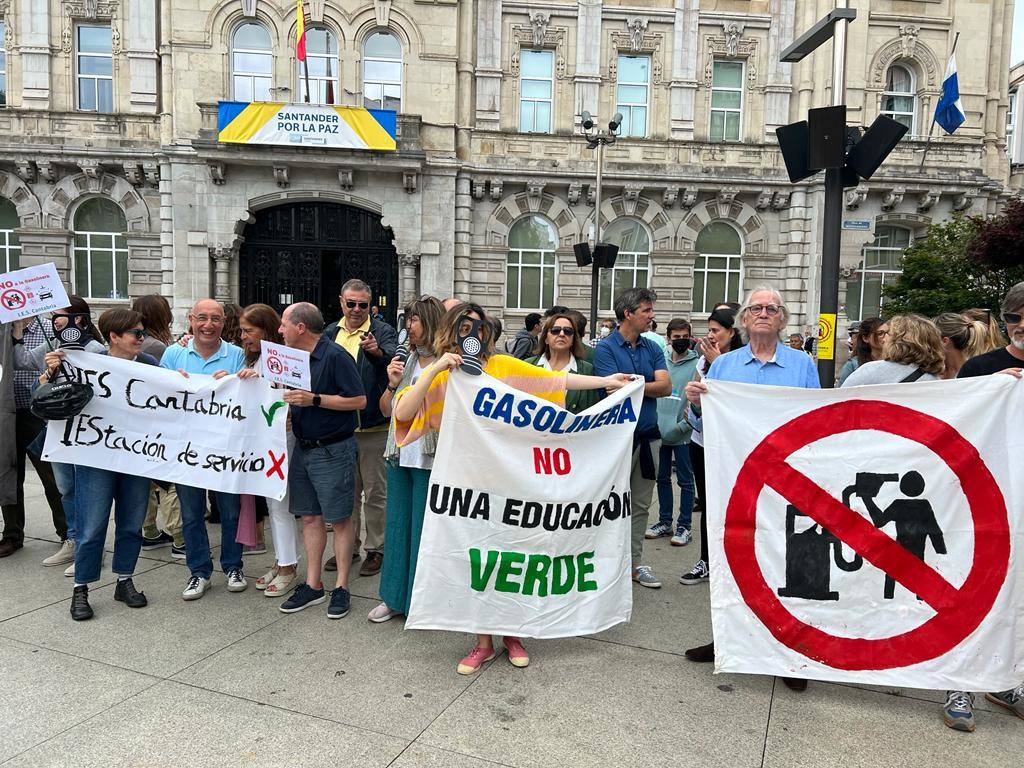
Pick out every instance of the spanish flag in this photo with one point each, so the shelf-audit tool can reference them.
(300, 34)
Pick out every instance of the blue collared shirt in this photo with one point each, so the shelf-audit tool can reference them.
(228, 358)
(616, 355)
(788, 368)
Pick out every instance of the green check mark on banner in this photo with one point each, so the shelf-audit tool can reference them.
(269, 415)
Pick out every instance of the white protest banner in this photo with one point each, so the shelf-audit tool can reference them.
(31, 291)
(284, 365)
(527, 525)
(868, 535)
(225, 435)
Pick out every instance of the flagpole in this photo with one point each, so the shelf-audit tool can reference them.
(305, 63)
(928, 141)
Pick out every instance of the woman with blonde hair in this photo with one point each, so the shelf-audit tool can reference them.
(912, 351)
(418, 410)
(960, 337)
(991, 339)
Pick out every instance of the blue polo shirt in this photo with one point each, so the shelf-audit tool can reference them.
(228, 358)
(332, 371)
(788, 368)
(616, 355)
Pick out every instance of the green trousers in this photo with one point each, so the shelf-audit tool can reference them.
(407, 500)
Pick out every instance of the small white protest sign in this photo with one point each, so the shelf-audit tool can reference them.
(31, 291)
(285, 365)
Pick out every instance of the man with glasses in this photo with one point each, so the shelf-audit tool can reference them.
(372, 343)
(765, 360)
(207, 354)
(958, 711)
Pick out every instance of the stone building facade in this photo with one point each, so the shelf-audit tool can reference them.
(110, 164)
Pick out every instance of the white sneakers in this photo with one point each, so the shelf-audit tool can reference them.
(236, 580)
(381, 613)
(195, 588)
(64, 555)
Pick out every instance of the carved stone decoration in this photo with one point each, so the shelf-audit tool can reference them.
(316, 10)
(26, 170)
(133, 172)
(410, 180)
(495, 187)
(115, 38)
(855, 198)
(534, 189)
(91, 168)
(281, 176)
(216, 171)
(908, 40)
(727, 195)
(636, 27)
(249, 8)
(721, 47)
(8, 27)
(151, 171)
(963, 201)
(893, 198)
(927, 201)
(222, 256)
(539, 22)
(733, 32)
(48, 171)
(780, 201)
(591, 194)
(575, 192)
(630, 197)
(669, 197)
(383, 10)
(89, 10)
(895, 50)
(764, 199)
(479, 189)
(345, 180)
(689, 198)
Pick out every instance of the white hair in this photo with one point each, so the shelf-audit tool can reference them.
(776, 297)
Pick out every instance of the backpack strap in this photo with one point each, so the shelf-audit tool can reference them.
(914, 375)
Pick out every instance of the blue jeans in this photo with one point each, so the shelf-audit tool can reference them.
(193, 527)
(684, 476)
(95, 491)
(64, 476)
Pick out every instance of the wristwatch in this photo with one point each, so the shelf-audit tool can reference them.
(392, 389)
(316, 401)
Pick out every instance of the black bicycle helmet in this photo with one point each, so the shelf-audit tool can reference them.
(60, 400)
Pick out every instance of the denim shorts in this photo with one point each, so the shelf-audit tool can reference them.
(322, 480)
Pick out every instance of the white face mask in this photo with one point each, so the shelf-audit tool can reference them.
(605, 330)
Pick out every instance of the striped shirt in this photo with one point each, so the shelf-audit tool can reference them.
(518, 374)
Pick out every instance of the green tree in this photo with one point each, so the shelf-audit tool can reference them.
(961, 263)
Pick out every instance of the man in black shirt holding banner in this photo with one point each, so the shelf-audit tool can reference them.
(1010, 356)
(321, 471)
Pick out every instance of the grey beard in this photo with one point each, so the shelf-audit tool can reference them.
(1018, 343)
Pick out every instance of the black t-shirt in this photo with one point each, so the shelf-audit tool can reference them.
(333, 372)
(991, 362)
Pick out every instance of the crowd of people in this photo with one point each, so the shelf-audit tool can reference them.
(362, 440)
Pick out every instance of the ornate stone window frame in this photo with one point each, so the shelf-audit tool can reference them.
(635, 39)
(538, 35)
(93, 11)
(731, 46)
(906, 49)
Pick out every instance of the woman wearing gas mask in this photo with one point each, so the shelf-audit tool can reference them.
(418, 410)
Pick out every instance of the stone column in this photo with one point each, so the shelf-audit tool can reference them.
(488, 65)
(409, 264)
(222, 256)
(588, 56)
(463, 232)
(780, 75)
(685, 46)
(142, 56)
(35, 55)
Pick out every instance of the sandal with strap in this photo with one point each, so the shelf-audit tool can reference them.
(282, 584)
(263, 581)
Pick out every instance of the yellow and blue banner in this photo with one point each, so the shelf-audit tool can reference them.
(321, 125)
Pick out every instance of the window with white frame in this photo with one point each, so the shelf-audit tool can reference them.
(726, 100)
(536, 90)
(252, 63)
(1011, 123)
(10, 245)
(718, 270)
(382, 72)
(632, 93)
(898, 99)
(3, 66)
(632, 265)
(882, 263)
(101, 250)
(530, 269)
(94, 68)
(322, 65)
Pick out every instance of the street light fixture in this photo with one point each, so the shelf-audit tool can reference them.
(604, 254)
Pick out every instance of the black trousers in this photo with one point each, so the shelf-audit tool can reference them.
(27, 428)
(697, 462)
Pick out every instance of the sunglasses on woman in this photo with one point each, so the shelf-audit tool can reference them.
(559, 330)
(138, 333)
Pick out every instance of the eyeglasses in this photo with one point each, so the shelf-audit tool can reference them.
(216, 319)
(881, 332)
(558, 330)
(138, 333)
(360, 304)
(1012, 317)
(770, 309)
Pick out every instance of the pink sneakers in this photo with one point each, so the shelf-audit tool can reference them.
(476, 659)
(517, 655)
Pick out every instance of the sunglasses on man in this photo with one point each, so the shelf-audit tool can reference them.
(1012, 317)
(361, 304)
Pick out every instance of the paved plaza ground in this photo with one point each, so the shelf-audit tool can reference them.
(230, 681)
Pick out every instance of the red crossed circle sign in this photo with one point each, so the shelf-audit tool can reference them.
(12, 298)
(274, 365)
(959, 611)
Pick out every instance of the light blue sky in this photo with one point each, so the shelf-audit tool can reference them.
(1017, 47)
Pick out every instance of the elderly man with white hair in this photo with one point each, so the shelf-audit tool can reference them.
(765, 360)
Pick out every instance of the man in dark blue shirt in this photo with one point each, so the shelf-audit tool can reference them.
(321, 471)
(626, 351)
